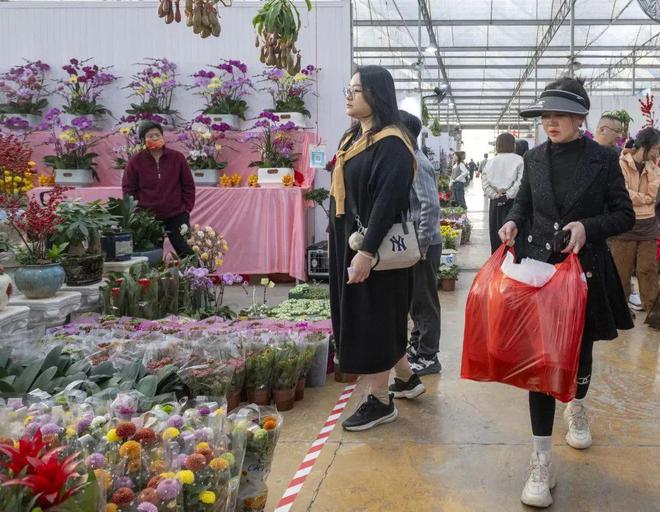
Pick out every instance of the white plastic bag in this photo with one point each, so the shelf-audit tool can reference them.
(529, 271)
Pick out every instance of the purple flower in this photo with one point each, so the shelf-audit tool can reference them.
(124, 481)
(31, 429)
(53, 114)
(74, 62)
(204, 434)
(146, 506)
(180, 460)
(96, 460)
(168, 489)
(50, 429)
(16, 123)
(222, 127)
(238, 278)
(228, 278)
(84, 424)
(82, 122)
(202, 120)
(204, 410)
(175, 421)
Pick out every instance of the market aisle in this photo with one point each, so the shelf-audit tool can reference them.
(464, 446)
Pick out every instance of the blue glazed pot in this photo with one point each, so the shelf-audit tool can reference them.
(39, 281)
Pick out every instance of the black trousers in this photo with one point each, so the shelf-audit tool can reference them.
(496, 216)
(425, 304)
(542, 406)
(173, 231)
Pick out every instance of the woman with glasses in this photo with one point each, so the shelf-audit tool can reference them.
(371, 182)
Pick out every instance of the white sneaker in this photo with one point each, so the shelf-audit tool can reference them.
(541, 479)
(635, 302)
(579, 433)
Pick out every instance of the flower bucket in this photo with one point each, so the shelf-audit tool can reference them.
(300, 120)
(259, 396)
(233, 121)
(39, 281)
(300, 390)
(448, 285)
(272, 177)
(206, 177)
(74, 177)
(284, 399)
(84, 270)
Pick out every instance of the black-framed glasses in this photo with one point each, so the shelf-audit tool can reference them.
(350, 92)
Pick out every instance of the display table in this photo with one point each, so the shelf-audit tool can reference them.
(13, 321)
(265, 228)
(50, 312)
(90, 297)
(120, 266)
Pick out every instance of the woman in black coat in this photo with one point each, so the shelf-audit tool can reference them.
(371, 182)
(571, 186)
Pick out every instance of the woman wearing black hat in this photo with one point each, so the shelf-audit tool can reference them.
(161, 181)
(571, 187)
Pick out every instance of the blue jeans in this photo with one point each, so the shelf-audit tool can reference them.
(458, 194)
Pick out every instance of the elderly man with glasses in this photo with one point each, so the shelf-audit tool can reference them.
(608, 132)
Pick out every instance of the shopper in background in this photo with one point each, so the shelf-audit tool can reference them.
(501, 180)
(482, 164)
(161, 181)
(522, 147)
(459, 175)
(472, 167)
(425, 307)
(572, 184)
(636, 249)
(608, 132)
(371, 183)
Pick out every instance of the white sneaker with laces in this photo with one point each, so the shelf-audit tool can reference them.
(635, 302)
(579, 433)
(541, 479)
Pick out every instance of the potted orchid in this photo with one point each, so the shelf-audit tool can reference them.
(25, 91)
(223, 89)
(289, 91)
(82, 90)
(131, 145)
(154, 87)
(73, 161)
(275, 145)
(201, 138)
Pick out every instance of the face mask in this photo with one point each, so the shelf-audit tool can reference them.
(153, 145)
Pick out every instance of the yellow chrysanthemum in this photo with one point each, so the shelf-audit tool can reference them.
(32, 163)
(130, 449)
(104, 478)
(111, 507)
(185, 476)
(202, 446)
(71, 432)
(112, 436)
(171, 433)
(168, 474)
(219, 464)
(207, 497)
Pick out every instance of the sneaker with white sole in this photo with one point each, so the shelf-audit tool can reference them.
(541, 479)
(635, 302)
(371, 413)
(579, 432)
(425, 365)
(410, 389)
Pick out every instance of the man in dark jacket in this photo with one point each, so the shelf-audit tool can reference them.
(161, 181)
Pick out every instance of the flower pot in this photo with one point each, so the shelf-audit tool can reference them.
(24, 121)
(155, 256)
(39, 281)
(96, 121)
(272, 177)
(284, 399)
(233, 121)
(83, 270)
(117, 246)
(233, 400)
(448, 285)
(300, 120)
(206, 177)
(259, 396)
(300, 389)
(74, 177)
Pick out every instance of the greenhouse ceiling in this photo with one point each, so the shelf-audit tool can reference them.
(494, 56)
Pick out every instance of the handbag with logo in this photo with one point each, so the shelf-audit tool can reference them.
(399, 248)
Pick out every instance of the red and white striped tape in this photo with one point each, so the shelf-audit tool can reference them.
(305, 468)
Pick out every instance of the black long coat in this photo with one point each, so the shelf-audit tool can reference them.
(370, 319)
(598, 198)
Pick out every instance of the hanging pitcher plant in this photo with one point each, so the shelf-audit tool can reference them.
(201, 15)
(277, 24)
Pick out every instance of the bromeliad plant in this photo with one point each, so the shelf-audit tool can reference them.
(201, 138)
(24, 88)
(274, 142)
(72, 143)
(289, 90)
(83, 88)
(35, 226)
(154, 87)
(224, 88)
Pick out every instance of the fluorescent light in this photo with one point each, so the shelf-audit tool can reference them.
(430, 49)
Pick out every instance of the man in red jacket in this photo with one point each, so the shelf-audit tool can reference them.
(161, 181)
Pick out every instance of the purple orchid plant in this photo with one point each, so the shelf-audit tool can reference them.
(223, 88)
(25, 89)
(202, 137)
(273, 141)
(82, 89)
(154, 86)
(289, 91)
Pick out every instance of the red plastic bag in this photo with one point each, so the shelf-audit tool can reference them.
(522, 335)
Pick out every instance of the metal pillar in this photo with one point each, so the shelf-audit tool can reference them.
(571, 65)
(634, 73)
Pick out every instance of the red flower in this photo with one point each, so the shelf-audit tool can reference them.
(215, 279)
(27, 448)
(47, 477)
(145, 283)
(115, 292)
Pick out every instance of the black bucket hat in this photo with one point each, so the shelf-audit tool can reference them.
(556, 100)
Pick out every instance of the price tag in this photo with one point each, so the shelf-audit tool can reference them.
(317, 158)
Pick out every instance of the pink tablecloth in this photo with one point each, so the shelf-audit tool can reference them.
(264, 227)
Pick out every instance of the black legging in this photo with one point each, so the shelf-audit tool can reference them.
(542, 406)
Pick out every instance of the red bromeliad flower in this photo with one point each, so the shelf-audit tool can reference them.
(49, 478)
(145, 283)
(27, 449)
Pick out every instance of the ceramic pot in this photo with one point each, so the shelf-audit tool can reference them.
(448, 285)
(272, 177)
(39, 281)
(74, 177)
(284, 398)
(206, 177)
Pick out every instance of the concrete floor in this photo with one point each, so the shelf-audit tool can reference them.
(464, 446)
